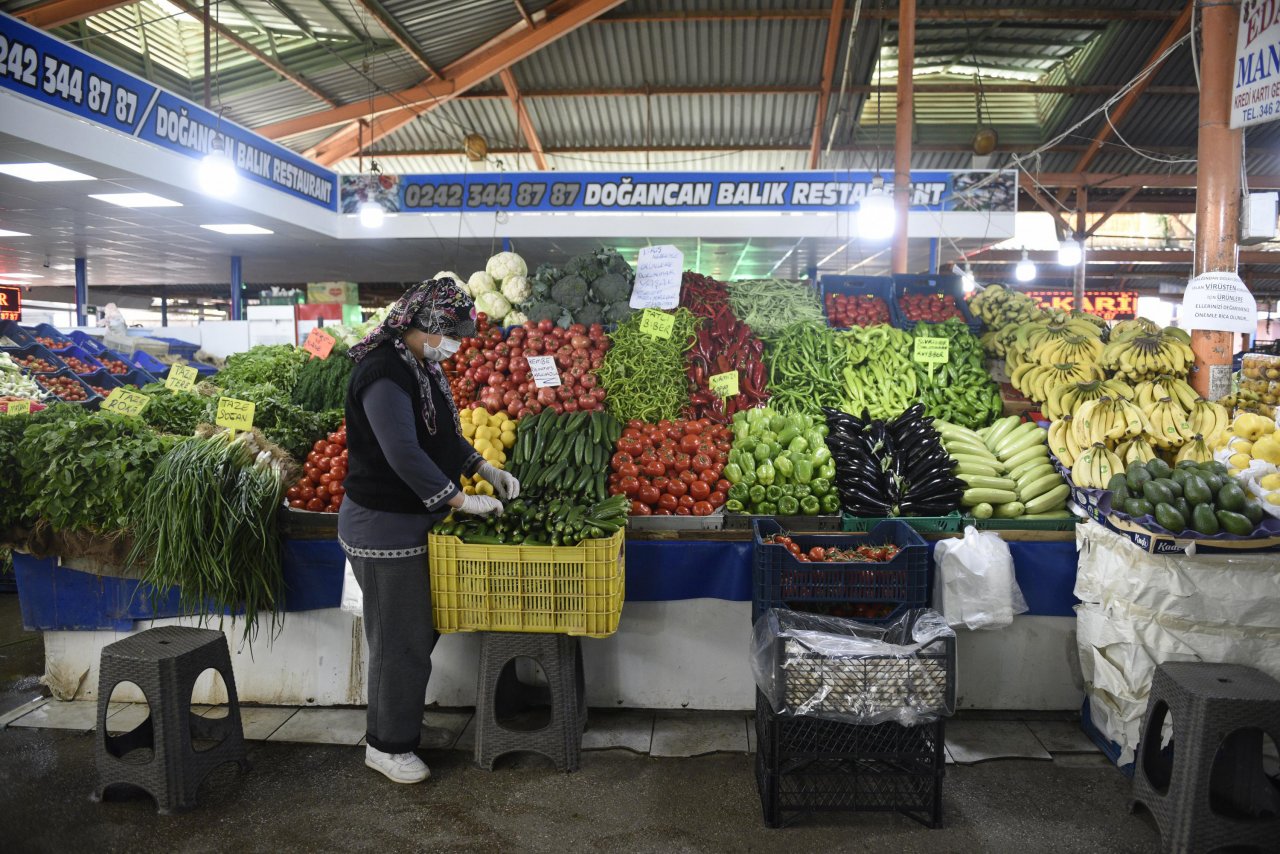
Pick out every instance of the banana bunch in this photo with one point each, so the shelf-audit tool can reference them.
(998, 307)
(1038, 381)
(1054, 350)
(1135, 451)
(1108, 421)
(1147, 394)
(1062, 440)
(1209, 420)
(1095, 467)
(1126, 329)
(1145, 357)
(1065, 399)
(1197, 451)
(1171, 426)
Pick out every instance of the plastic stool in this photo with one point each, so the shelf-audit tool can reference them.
(1213, 792)
(165, 663)
(499, 693)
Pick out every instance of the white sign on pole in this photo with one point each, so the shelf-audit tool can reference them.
(1219, 302)
(658, 273)
(1255, 91)
(544, 372)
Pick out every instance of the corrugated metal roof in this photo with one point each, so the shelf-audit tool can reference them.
(447, 31)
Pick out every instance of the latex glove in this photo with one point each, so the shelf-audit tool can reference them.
(480, 505)
(504, 483)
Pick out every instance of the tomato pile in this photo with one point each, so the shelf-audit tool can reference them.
(51, 343)
(934, 308)
(35, 364)
(320, 488)
(77, 366)
(64, 388)
(672, 468)
(493, 372)
(100, 390)
(816, 554)
(856, 310)
(115, 366)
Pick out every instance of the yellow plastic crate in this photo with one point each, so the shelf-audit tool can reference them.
(572, 590)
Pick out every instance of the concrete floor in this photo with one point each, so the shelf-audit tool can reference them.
(321, 798)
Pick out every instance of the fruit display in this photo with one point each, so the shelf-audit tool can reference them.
(36, 365)
(835, 554)
(1064, 399)
(998, 308)
(933, 308)
(63, 388)
(845, 310)
(673, 467)
(1140, 350)
(961, 390)
(320, 489)
(493, 436)
(1056, 349)
(115, 366)
(780, 464)
(564, 455)
(1006, 470)
(1243, 400)
(1190, 499)
(587, 289)
(1260, 376)
(895, 468)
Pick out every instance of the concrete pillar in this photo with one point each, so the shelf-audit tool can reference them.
(902, 132)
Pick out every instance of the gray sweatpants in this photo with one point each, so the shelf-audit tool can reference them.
(400, 634)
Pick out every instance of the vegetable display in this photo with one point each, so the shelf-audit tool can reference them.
(780, 464)
(725, 344)
(564, 456)
(69, 389)
(35, 364)
(493, 436)
(1007, 470)
(645, 376)
(14, 383)
(673, 467)
(558, 522)
(879, 375)
(322, 383)
(177, 412)
(274, 364)
(771, 305)
(321, 487)
(845, 310)
(934, 308)
(960, 390)
(291, 427)
(115, 366)
(588, 289)
(895, 468)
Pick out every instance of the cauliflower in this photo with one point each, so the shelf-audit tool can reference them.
(570, 292)
(493, 304)
(515, 318)
(504, 265)
(480, 283)
(449, 274)
(517, 289)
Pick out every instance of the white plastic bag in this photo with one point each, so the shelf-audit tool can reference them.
(976, 587)
(352, 596)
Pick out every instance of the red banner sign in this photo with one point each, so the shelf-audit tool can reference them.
(10, 302)
(1109, 305)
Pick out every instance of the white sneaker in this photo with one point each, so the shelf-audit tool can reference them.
(398, 767)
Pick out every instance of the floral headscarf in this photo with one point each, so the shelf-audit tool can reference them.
(437, 307)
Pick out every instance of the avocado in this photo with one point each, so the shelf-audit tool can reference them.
(1203, 521)
(1158, 468)
(1137, 476)
(1197, 491)
(1169, 518)
(1235, 523)
(1117, 482)
(1183, 507)
(1253, 511)
(1157, 491)
(1231, 497)
(1136, 507)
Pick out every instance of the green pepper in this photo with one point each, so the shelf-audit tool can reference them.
(740, 492)
(746, 445)
(733, 473)
(767, 508)
(768, 437)
(821, 454)
(733, 506)
(783, 466)
(815, 439)
(788, 506)
(828, 470)
(788, 433)
(778, 423)
(803, 470)
(765, 472)
(739, 417)
(820, 487)
(801, 490)
(757, 493)
(798, 445)
(757, 416)
(761, 454)
(809, 506)
(830, 504)
(773, 493)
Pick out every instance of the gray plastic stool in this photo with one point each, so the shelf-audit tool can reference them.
(165, 663)
(499, 694)
(1214, 791)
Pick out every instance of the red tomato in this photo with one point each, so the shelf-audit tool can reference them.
(699, 491)
(639, 509)
(689, 443)
(322, 492)
(629, 470)
(667, 501)
(688, 476)
(710, 476)
(630, 486)
(336, 488)
(325, 464)
(649, 494)
(677, 488)
(306, 492)
(661, 482)
(316, 505)
(662, 511)
(654, 468)
(686, 501)
(703, 508)
(297, 503)
(701, 463)
(294, 492)
(683, 511)
(723, 485)
(682, 462)
(716, 498)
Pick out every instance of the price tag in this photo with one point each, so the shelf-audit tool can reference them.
(543, 369)
(123, 401)
(319, 343)
(181, 378)
(725, 385)
(19, 407)
(932, 351)
(657, 324)
(234, 414)
(659, 270)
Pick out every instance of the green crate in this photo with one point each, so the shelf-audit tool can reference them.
(1026, 524)
(952, 523)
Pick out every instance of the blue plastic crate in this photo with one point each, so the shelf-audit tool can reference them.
(876, 286)
(37, 350)
(149, 363)
(205, 370)
(15, 333)
(106, 355)
(78, 352)
(60, 338)
(781, 581)
(178, 347)
(89, 343)
(101, 379)
(949, 285)
(91, 401)
(136, 378)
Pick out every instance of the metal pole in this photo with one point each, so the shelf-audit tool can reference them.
(933, 256)
(164, 306)
(1077, 285)
(1217, 186)
(82, 292)
(237, 289)
(902, 132)
(207, 28)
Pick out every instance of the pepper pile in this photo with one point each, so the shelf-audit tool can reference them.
(931, 307)
(704, 296)
(879, 376)
(672, 468)
(724, 344)
(780, 465)
(645, 376)
(899, 468)
(845, 310)
(961, 390)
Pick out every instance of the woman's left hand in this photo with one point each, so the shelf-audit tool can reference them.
(504, 483)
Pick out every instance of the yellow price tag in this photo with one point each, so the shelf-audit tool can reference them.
(234, 414)
(181, 378)
(657, 324)
(18, 407)
(932, 351)
(123, 401)
(725, 385)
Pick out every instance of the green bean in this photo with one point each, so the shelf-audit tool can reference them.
(770, 306)
(644, 376)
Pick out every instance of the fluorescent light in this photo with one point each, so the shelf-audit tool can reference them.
(237, 228)
(1070, 253)
(371, 214)
(43, 172)
(4, 232)
(218, 175)
(21, 276)
(1026, 269)
(136, 200)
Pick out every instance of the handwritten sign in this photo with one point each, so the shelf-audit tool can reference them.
(657, 324)
(932, 351)
(234, 414)
(725, 385)
(123, 401)
(181, 378)
(658, 273)
(543, 369)
(319, 343)
(19, 407)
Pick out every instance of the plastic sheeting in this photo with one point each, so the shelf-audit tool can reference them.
(976, 586)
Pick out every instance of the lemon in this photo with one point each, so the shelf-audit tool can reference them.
(1267, 449)
(484, 488)
(468, 429)
(468, 490)
(1270, 482)
(508, 439)
(1240, 461)
(479, 417)
(1273, 498)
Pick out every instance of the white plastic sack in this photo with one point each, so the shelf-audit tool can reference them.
(976, 586)
(352, 596)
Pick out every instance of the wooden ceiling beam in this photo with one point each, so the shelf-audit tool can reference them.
(830, 55)
(399, 35)
(522, 118)
(55, 13)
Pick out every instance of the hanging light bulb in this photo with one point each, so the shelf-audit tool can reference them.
(217, 174)
(876, 214)
(967, 280)
(371, 213)
(1026, 269)
(1070, 253)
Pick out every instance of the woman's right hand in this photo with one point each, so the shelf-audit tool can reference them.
(478, 505)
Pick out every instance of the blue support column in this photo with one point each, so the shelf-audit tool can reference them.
(237, 289)
(933, 256)
(82, 292)
(812, 270)
(164, 306)
(506, 244)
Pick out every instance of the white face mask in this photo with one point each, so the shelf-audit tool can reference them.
(446, 348)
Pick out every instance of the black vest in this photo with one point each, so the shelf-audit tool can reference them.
(371, 481)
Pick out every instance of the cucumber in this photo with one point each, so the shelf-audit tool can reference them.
(1169, 518)
(975, 469)
(1235, 523)
(1039, 487)
(982, 482)
(1021, 440)
(978, 495)
(1054, 499)
(1012, 510)
(1052, 514)
(982, 511)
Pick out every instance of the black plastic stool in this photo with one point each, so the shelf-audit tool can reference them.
(1214, 791)
(165, 663)
(499, 693)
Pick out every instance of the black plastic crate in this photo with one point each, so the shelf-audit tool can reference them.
(781, 581)
(20, 337)
(946, 285)
(859, 286)
(808, 765)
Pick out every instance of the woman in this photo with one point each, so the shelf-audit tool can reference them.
(406, 455)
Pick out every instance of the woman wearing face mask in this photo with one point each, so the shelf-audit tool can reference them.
(406, 457)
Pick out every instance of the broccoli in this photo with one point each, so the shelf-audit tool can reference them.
(618, 311)
(587, 266)
(543, 310)
(570, 292)
(617, 264)
(611, 287)
(589, 314)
